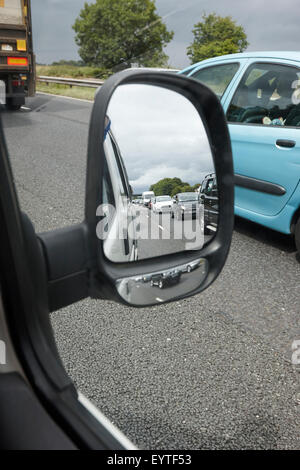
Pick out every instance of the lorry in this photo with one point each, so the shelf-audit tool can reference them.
(17, 60)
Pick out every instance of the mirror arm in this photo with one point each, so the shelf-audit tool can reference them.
(66, 259)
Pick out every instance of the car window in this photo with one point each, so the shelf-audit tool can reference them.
(217, 77)
(188, 197)
(215, 188)
(268, 94)
(203, 186)
(209, 186)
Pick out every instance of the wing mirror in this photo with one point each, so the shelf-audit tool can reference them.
(155, 131)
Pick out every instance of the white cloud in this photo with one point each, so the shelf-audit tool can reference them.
(160, 134)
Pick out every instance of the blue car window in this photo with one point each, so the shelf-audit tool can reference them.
(268, 95)
(217, 77)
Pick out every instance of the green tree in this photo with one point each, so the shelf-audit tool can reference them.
(216, 35)
(186, 188)
(114, 32)
(165, 186)
(183, 188)
(171, 186)
(175, 190)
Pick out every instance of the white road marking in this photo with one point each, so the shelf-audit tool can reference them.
(159, 300)
(117, 434)
(25, 107)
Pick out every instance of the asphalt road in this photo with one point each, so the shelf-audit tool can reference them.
(213, 371)
(159, 234)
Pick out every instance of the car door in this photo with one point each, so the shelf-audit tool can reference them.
(264, 118)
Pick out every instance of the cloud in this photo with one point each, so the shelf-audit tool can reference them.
(269, 25)
(160, 134)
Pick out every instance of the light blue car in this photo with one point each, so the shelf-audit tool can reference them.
(260, 94)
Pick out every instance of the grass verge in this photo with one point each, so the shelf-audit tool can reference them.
(64, 90)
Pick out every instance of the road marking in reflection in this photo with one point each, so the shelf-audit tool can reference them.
(25, 108)
(210, 227)
(161, 228)
(159, 300)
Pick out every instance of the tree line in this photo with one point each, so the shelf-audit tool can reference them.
(113, 34)
(172, 186)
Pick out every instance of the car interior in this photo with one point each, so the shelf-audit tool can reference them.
(267, 99)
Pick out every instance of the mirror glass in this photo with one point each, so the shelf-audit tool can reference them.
(160, 192)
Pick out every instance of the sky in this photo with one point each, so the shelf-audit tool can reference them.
(160, 134)
(269, 25)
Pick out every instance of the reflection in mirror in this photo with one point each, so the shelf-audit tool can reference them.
(157, 287)
(159, 191)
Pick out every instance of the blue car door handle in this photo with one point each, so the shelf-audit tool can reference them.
(285, 143)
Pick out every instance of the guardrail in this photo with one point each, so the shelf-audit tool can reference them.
(90, 83)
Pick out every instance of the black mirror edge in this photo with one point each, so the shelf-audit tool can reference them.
(103, 273)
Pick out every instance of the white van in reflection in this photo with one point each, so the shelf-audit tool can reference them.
(147, 195)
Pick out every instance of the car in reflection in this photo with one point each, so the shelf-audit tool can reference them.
(166, 279)
(188, 268)
(260, 94)
(210, 200)
(117, 199)
(147, 195)
(185, 205)
(145, 278)
(162, 204)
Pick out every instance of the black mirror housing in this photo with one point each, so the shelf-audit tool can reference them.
(104, 275)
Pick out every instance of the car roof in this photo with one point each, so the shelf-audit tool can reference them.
(287, 55)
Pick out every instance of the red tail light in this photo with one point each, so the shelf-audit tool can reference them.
(17, 83)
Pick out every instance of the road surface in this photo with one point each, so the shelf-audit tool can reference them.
(213, 371)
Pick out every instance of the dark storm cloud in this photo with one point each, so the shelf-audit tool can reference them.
(270, 25)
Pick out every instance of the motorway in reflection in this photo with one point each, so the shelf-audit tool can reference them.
(165, 231)
(158, 287)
